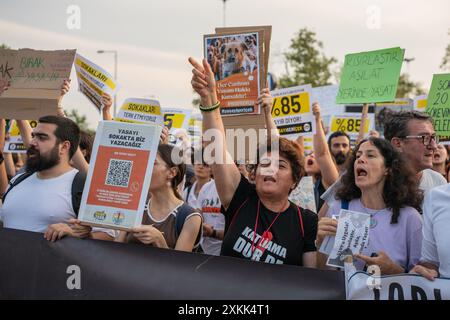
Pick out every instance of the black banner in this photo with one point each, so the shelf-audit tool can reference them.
(33, 268)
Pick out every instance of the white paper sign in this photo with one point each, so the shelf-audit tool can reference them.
(303, 195)
(352, 236)
(360, 286)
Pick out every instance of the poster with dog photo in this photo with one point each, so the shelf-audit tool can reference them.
(236, 61)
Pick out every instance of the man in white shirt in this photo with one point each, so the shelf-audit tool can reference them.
(436, 238)
(42, 202)
(412, 133)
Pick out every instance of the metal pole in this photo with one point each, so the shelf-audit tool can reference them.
(224, 8)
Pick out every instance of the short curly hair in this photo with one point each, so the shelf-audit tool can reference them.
(401, 187)
(293, 153)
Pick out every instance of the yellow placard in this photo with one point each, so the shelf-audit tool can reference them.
(174, 120)
(350, 125)
(95, 73)
(291, 105)
(422, 104)
(142, 108)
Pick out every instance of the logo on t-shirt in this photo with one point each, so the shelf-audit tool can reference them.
(261, 244)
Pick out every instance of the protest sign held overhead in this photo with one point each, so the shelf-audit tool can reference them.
(238, 66)
(119, 174)
(438, 105)
(350, 123)
(177, 121)
(370, 76)
(292, 113)
(35, 77)
(93, 80)
(137, 110)
(14, 142)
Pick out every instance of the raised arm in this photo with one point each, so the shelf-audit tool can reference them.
(226, 174)
(265, 100)
(106, 107)
(365, 111)
(322, 154)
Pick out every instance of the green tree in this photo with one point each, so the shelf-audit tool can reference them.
(309, 63)
(4, 46)
(445, 65)
(79, 119)
(407, 88)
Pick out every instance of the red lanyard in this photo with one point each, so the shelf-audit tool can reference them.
(267, 230)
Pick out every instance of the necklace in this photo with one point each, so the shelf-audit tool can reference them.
(265, 236)
(373, 221)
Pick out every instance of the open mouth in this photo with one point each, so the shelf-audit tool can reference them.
(310, 162)
(269, 178)
(360, 172)
(436, 156)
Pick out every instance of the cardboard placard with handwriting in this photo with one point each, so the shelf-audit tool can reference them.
(36, 80)
(249, 121)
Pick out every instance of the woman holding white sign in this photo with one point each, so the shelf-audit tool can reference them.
(261, 224)
(378, 182)
(168, 222)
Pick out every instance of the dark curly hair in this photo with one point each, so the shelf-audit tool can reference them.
(293, 153)
(401, 187)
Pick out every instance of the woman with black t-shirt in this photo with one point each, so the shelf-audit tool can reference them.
(261, 224)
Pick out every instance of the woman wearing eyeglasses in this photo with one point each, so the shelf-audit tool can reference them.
(379, 182)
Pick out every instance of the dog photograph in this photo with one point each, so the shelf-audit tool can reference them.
(232, 54)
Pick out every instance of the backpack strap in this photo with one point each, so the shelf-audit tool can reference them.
(345, 204)
(16, 181)
(182, 213)
(77, 190)
(188, 192)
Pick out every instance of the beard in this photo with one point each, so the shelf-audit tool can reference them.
(38, 162)
(340, 158)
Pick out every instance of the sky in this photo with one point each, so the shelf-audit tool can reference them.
(154, 38)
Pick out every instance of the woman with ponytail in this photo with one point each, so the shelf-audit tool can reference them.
(168, 222)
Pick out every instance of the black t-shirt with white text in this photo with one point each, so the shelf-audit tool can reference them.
(282, 244)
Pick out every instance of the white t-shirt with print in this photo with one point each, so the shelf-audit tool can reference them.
(209, 202)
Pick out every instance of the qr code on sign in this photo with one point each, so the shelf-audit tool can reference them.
(119, 172)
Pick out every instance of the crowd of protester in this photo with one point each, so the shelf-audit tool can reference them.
(400, 179)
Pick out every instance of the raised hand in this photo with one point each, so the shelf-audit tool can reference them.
(203, 81)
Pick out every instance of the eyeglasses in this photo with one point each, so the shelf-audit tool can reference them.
(426, 139)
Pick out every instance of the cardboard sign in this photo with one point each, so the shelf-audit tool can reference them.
(36, 80)
(370, 76)
(14, 141)
(7, 58)
(93, 81)
(236, 62)
(352, 236)
(438, 106)
(137, 110)
(119, 174)
(248, 122)
(292, 113)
